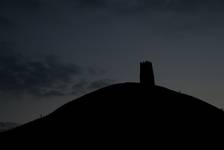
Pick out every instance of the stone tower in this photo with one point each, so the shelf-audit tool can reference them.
(146, 74)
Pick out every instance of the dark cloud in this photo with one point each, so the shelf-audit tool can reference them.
(83, 85)
(22, 4)
(7, 125)
(54, 93)
(80, 85)
(48, 77)
(5, 22)
(141, 5)
(100, 83)
(118, 5)
(96, 71)
(14, 13)
(34, 77)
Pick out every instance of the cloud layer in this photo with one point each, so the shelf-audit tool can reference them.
(47, 77)
(159, 5)
(117, 5)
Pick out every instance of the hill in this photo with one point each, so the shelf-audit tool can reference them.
(123, 116)
(127, 111)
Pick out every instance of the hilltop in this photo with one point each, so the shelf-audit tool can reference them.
(126, 111)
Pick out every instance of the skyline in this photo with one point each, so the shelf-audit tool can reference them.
(95, 43)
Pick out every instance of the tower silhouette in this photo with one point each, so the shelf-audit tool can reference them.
(146, 73)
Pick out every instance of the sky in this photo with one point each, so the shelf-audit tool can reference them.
(53, 51)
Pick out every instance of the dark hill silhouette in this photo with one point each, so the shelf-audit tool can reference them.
(123, 113)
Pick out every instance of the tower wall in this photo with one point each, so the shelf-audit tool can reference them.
(146, 73)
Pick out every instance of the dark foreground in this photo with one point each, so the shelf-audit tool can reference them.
(124, 115)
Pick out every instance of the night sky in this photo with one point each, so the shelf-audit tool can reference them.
(52, 51)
